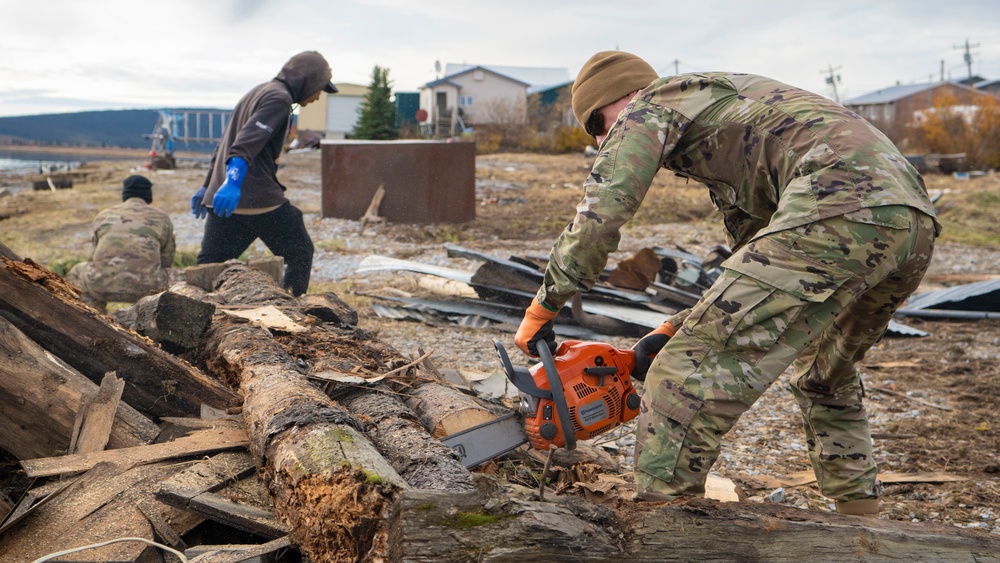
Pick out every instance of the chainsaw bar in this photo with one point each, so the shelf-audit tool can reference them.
(488, 440)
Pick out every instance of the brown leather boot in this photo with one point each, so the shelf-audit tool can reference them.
(867, 507)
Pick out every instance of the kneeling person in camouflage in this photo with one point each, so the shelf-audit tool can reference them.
(831, 229)
(133, 250)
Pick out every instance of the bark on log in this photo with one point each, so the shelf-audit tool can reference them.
(423, 461)
(170, 319)
(327, 307)
(435, 526)
(8, 252)
(44, 307)
(242, 285)
(328, 483)
(39, 399)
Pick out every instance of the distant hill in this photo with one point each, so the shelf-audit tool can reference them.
(109, 128)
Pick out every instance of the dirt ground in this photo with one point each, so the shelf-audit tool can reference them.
(932, 400)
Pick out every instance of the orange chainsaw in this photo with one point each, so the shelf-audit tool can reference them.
(582, 392)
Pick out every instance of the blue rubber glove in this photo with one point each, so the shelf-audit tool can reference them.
(228, 196)
(198, 205)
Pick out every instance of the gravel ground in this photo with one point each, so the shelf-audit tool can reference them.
(958, 369)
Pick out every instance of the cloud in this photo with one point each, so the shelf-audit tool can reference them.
(207, 54)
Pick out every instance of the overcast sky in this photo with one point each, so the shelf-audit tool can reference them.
(73, 55)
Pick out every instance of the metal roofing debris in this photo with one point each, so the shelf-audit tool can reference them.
(505, 287)
(899, 329)
(980, 297)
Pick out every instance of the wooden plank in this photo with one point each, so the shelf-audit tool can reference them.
(200, 442)
(30, 501)
(47, 393)
(192, 490)
(6, 506)
(97, 416)
(234, 553)
(163, 529)
(240, 516)
(44, 307)
(99, 505)
(209, 476)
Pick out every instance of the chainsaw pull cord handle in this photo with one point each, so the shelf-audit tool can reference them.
(558, 396)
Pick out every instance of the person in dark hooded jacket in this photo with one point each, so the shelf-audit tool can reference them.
(242, 190)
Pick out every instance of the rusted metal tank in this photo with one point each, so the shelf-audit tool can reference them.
(424, 181)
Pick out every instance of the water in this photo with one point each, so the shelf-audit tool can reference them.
(46, 164)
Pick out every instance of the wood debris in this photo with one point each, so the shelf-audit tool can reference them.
(269, 437)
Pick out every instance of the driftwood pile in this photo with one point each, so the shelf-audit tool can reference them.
(307, 437)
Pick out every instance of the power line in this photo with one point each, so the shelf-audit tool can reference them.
(968, 57)
(832, 79)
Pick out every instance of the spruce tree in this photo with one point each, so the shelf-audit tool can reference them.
(377, 119)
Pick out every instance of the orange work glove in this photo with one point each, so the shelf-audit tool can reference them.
(537, 326)
(648, 347)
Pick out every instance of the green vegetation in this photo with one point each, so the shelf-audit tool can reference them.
(331, 244)
(377, 119)
(968, 215)
(185, 258)
(466, 520)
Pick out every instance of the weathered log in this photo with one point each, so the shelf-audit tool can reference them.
(444, 410)
(39, 399)
(8, 252)
(423, 461)
(436, 526)
(329, 308)
(44, 307)
(239, 284)
(328, 483)
(204, 275)
(170, 319)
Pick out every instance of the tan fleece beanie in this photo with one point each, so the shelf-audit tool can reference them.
(605, 78)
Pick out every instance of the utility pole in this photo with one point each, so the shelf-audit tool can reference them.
(677, 67)
(832, 80)
(968, 57)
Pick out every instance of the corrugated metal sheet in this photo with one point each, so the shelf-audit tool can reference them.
(899, 329)
(979, 296)
(890, 94)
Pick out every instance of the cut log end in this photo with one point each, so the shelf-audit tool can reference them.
(339, 517)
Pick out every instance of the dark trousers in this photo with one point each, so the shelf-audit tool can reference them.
(282, 231)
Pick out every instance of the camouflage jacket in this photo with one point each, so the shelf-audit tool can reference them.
(773, 157)
(133, 247)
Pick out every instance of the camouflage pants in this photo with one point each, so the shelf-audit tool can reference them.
(816, 297)
(127, 288)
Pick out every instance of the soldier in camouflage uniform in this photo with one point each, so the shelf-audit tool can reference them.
(831, 230)
(133, 250)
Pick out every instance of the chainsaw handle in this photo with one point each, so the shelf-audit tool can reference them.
(558, 397)
(520, 377)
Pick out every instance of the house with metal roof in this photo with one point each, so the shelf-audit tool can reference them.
(470, 95)
(897, 109)
(991, 86)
